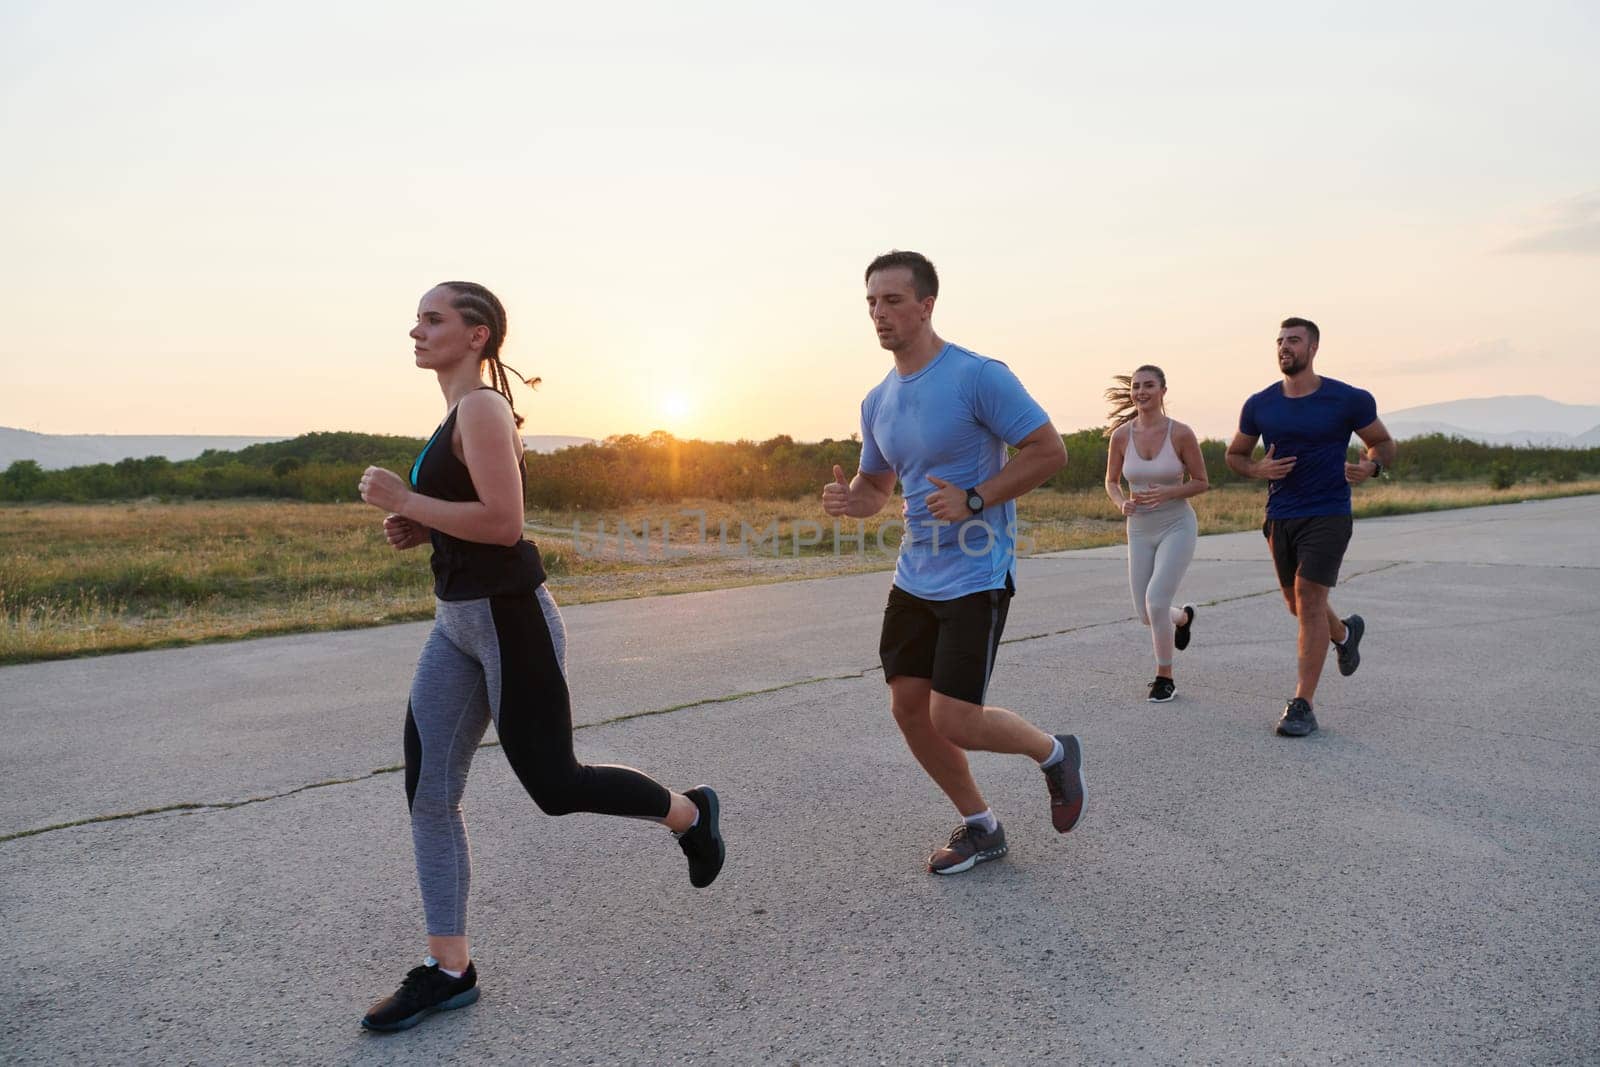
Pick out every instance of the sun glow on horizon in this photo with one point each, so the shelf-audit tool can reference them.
(676, 406)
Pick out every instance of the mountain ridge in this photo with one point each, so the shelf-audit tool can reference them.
(1518, 420)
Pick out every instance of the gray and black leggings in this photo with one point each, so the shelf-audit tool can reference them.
(502, 657)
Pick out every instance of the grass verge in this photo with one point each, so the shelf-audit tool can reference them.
(88, 579)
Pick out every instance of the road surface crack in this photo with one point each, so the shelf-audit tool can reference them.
(228, 805)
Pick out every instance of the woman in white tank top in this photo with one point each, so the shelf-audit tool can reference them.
(1155, 454)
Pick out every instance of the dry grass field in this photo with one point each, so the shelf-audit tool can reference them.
(85, 579)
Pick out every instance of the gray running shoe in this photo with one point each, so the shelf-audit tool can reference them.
(1350, 651)
(1065, 781)
(968, 847)
(1297, 720)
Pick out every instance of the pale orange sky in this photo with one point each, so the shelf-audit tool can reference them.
(220, 222)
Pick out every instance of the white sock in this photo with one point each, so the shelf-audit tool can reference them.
(1057, 754)
(984, 820)
(431, 962)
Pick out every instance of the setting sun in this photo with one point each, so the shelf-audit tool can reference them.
(676, 405)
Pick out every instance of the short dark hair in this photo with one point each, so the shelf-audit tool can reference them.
(924, 279)
(1313, 334)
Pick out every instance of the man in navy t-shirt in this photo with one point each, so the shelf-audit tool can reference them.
(939, 422)
(1306, 422)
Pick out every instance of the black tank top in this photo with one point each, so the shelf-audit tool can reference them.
(469, 570)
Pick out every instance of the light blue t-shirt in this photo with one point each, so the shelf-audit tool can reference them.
(952, 419)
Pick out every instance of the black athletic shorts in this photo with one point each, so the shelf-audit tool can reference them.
(950, 642)
(1312, 547)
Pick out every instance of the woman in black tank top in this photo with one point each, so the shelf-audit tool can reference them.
(496, 652)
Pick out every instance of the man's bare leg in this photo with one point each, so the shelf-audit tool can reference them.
(978, 728)
(945, 762)
(1311, 600)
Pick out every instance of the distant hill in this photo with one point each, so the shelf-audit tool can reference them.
(1587, 439)
(56, 451)
(548, 442)
(59, 451)
(1503, 420)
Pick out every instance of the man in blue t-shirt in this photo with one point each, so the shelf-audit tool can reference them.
(1306, 422)
(940, 423)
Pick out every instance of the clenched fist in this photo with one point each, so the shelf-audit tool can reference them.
(1356, 473)
(402, 533)
(384, 489)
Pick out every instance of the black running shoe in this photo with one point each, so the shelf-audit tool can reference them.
(425, 990)
(1161, 691)
(1350, 651)
(1297, 720)
(703, 842)
(1065, 781)
(968, 847)
(1180, 633)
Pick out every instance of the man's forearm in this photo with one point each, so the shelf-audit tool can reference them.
(866, 499)
(1030, 468)
(1243, 466)
(1383, 452)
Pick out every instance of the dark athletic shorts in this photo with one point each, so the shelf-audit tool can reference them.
(950, 642)
(1312, 547)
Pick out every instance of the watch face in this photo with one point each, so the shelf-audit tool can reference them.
(974, 502)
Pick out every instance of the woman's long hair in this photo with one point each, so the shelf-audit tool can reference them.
(1120, 396)
(479, 307)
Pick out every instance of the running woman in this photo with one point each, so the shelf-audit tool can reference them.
(497, 650)
(940, 422)
(1306, 421)
(1154, 452)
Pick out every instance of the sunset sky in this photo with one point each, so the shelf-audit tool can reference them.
(218, 218)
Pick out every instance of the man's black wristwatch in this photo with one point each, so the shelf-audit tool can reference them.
(974, 501)
(1377, 468)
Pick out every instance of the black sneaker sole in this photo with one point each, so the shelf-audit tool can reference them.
(1296, 731)
(460, 1000)
(971, 861)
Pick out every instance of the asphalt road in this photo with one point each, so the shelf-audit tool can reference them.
(1418, 882)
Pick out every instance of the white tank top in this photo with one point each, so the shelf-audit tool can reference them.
(1165, 469)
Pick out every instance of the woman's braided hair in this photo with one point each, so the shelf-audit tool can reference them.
(479, 307)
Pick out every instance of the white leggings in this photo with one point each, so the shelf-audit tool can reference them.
(1160, 548)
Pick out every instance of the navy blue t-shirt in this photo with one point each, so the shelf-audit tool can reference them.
(1316, 430)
